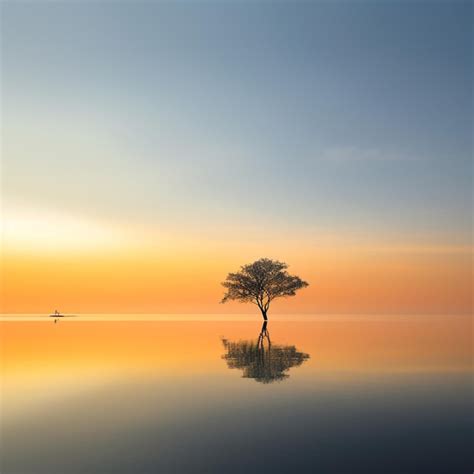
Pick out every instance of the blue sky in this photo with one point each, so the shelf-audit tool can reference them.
(351, 117)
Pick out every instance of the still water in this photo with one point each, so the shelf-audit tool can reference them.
(226, 395)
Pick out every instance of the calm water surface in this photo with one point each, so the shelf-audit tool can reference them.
(215, 395)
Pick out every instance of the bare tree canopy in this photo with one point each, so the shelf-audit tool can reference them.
(260, 283)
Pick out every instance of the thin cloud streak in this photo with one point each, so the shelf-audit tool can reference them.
(356, 154)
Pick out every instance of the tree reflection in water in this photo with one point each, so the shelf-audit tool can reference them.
(261, 360)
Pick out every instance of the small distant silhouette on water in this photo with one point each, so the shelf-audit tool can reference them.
(261, 360)
(56, 314)
(260, 283)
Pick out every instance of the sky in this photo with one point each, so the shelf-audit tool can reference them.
(148, 149)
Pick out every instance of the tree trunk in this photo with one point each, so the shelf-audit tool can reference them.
(264, 314)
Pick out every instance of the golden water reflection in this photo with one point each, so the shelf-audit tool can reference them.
(128, 396)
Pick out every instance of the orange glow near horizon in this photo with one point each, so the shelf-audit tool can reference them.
(185, 277)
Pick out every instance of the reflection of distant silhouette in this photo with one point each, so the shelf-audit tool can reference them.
(261, 360)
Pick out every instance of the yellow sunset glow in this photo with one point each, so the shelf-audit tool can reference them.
(83, 267)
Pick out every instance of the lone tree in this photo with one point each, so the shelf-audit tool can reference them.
(260, 283)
